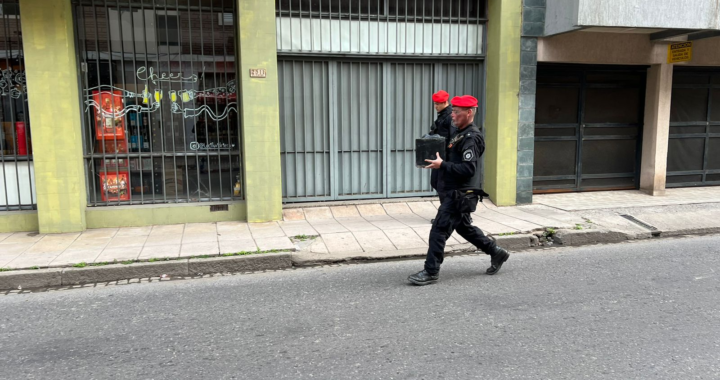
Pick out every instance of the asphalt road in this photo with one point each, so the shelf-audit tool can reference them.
(646, 310)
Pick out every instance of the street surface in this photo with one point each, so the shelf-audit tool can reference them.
(647, 310)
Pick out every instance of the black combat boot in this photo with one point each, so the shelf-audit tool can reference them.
(423, 278)
(497, 259)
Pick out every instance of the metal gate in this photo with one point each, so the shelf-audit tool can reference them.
(588, 127)
(348, 128)
(694, 143)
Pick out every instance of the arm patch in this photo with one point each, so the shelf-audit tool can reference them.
(468, 155)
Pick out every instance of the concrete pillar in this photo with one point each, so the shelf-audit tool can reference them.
(503, 87)
(54, 107)
(260, 110)
(657, 129)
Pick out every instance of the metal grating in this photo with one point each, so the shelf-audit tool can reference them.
(17, 180)
(161, 122)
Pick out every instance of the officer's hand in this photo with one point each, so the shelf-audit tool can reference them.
(435, 164)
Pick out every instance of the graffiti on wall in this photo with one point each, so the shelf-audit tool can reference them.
(182, 102)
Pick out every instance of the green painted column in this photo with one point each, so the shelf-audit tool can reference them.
(54, 107)
(260, 110)
(503, 86)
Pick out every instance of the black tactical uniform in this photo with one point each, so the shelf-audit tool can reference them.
(443, 126)
(460, 189)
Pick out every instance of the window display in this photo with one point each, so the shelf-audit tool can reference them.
(161, 112)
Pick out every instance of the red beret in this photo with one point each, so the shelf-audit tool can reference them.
(465, 101)
(440, 97)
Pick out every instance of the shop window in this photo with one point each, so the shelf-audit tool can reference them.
(17, 183)
(161, 122)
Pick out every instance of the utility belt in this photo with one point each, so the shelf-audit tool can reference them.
(465, 201)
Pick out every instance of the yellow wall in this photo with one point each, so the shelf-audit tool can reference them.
(18, 221)
(503, 86)
(261, 114)
(51, 71)
(137, 216)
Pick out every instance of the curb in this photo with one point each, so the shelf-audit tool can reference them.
(51, 277)
(42, 278)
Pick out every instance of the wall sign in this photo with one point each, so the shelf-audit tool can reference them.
(258, 73)
(680, 52)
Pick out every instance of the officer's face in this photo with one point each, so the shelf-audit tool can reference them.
(461, 117)
(441, 106)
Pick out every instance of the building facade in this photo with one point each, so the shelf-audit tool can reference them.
(131, 113)
(136, 112)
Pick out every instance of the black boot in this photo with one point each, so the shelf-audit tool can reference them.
(432, 221)
(496, 260)
(423, 278)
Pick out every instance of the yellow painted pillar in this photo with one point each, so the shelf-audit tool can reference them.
(260, 110)
(54, 107)
(502, 88)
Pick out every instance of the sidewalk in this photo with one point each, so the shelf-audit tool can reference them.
(387, 229)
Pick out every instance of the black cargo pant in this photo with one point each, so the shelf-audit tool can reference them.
(454, 215)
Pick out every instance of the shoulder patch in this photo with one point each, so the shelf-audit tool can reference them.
(468, 155)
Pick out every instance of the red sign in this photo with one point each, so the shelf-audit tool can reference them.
(109, 125)
(115, 186)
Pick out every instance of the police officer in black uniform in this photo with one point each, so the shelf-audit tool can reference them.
(460, 189)
(443, 124)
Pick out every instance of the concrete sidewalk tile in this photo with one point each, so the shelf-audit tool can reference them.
(397, 208)
(516, 213)
(488, 226)
(371, 210)
(371, 241)
(22, 238)
(233, 231)
(509, 221)
(345, 212)
(89, 243)
(14, 249)
(235, 246)
(75, 257)
(551, 213)
(52, 245)
(317, 213)
(4, 235)
(460, 239)
(200, 237)
(423, 209)
(163, 239)
(270, 243)
(297, 227)
(200, 228)
(98, 233)
(357, 224)
(328, 226)
(7, 258)
(118, 254)
(489, 204)
(128, 241)
(404, 238)
(318, 246)
(265, 230)
(412, 220)
(292, 214)
(159, 251)
(171, 229)
(197, 249)
(28, 261)
(133, 231)
(341, 242)
(388, 224)
(436, 204)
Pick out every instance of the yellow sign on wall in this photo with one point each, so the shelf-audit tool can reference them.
(680, 52)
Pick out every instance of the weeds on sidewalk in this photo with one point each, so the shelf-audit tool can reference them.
(303, 237)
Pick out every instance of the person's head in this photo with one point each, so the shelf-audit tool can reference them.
(464, 110)
(440, 100)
